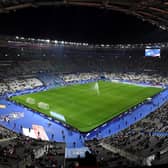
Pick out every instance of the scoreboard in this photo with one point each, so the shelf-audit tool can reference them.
(152, 52)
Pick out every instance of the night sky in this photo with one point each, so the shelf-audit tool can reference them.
(79, 24)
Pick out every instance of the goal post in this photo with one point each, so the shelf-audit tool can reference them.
(43, 105)
(30, 100)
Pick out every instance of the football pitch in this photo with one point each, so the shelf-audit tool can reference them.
(87, 106)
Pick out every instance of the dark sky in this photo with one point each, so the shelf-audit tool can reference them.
(78, 24)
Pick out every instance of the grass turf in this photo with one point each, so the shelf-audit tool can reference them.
(83, 108)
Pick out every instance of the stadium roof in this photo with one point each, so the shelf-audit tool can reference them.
(153, 11)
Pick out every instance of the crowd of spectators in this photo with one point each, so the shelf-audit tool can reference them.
(139, 139)
(14, 85)
(138, 77)
(6, 134)
(24, 152)
(90, 161)
(106, 158)
(80, 76)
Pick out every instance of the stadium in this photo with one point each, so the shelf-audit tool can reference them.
(81, 103)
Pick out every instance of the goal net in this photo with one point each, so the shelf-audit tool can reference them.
(30, 100)
(43, 105)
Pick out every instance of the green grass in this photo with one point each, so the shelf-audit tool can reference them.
(83, 108)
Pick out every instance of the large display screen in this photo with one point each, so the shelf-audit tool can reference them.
(152, 52)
